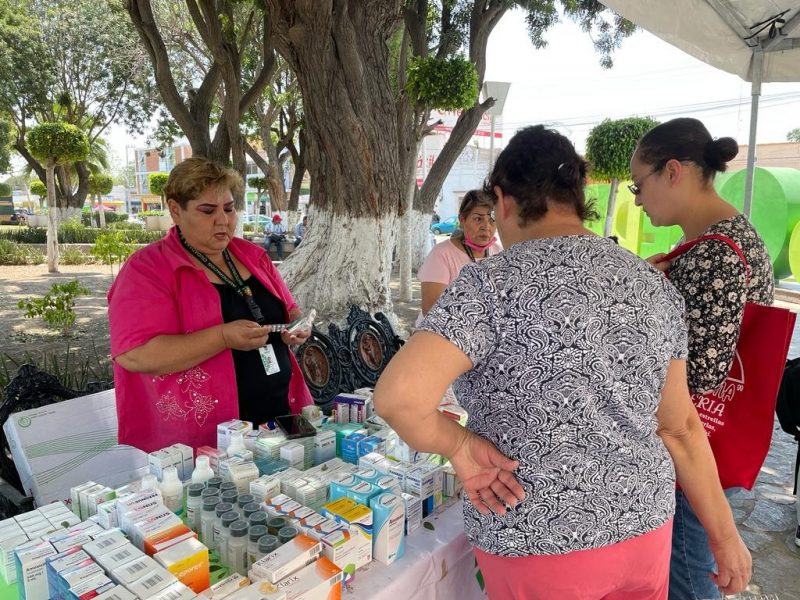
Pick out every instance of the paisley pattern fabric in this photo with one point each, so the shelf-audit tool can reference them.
(711, 277)
(570, 339)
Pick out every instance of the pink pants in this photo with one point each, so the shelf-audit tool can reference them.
(636, 569)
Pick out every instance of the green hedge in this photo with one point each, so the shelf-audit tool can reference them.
(77, 235)
(90, 218)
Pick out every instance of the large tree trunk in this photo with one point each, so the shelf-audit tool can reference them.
(52, 219)
(612, 205)
(299, 161)
(404, 245)
(421, 237)
(340, 54)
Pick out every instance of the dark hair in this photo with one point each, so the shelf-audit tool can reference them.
(686, 139)
(538, 165)
(472, 199)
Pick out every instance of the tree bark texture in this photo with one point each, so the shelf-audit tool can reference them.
(338, 50)
(222, 82)
(612, 204)
(52, 219)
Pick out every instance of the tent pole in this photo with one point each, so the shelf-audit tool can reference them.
(758, 71)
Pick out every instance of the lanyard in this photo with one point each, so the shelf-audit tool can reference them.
(237, 283)
(468, 250)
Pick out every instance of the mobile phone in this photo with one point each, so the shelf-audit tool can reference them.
(295, 426)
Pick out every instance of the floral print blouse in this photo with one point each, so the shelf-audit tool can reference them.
(712, 279)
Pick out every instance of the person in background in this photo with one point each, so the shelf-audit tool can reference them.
(447, 258)
(275, 233)
(569, 355)
(190, 320)
(673, 169)
(300, 231)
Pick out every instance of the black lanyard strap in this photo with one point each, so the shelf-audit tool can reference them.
(237, 283)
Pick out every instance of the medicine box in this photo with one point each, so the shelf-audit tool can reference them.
(133, 570)
(29, 561)
(226, 587)
(187, 463)
(152, 582)
(287, 559)
(388, 539)
(265, 487)
(413, 512)
(91, 588)
(116, 593)
(119, 556)
(188, 561)
(358, 518)
(321, 580)
(175, 591)
(226, 428)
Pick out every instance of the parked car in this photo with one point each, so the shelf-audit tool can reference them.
(446, 226)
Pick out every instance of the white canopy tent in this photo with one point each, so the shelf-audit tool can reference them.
(758, 40)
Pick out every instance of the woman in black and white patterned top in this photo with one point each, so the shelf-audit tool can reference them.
(673, 172)
(568, 353)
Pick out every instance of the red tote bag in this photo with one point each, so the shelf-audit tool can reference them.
(739, 414)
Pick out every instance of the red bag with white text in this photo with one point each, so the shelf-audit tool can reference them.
(739, 415)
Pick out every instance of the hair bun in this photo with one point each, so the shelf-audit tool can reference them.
(718, 152)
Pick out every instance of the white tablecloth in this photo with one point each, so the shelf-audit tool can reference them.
(438, 565)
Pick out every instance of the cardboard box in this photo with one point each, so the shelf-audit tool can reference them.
(119, 557)
(225, 588)
(30, 565)
(259, 590)
(226, 428)
(106, 542)
(61, 445)
(188, 561)
(116, 593)
(175, 591)
(91, 588)
(54, 565)
(359, 520)
(265, 487)
(321, 580)
(388, 526)
(152, 582)
(133, 570)
(187, 465)
(413, 512)
(287, 559)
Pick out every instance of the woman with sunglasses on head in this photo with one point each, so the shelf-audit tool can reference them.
(475, 241)
(673, 169)
(568, 353)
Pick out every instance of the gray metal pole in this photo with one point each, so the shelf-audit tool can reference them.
(758, 71)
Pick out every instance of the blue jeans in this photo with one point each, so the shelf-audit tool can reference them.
(691, 561)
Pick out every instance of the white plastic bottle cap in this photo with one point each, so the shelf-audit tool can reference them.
(149, 482)
(170, 475)
(202, 470)
(236, 443)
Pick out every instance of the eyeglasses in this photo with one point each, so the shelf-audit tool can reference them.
(636, 188)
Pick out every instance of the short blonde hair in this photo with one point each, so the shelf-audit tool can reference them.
(195, 175)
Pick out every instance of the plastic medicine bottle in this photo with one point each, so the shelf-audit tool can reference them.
(255, 533)
(194, 505)
(207, 518)
(227, 520)
(237, 547)
(172, 490)
(202, 470)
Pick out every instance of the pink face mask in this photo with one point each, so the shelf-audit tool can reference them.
(478, 247)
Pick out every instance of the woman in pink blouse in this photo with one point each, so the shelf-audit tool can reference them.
(190, 320)
(447, 258)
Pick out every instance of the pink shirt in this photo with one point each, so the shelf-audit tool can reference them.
(445, 262)
(161, 291)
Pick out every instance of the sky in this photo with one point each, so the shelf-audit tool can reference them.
(563, 85)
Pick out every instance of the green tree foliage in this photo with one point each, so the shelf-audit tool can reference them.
(156, 182)
(61, 143)
(5, 190)
(6, 136)
(793, 135)
(75, 61)
(100, 184)
(444, 83)
(38, 188)
(610, 146)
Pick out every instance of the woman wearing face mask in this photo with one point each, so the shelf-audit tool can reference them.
(447, 258)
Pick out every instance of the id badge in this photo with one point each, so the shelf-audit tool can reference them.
(269, 360)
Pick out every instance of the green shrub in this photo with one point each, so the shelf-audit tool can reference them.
(77, 235)
(56, 307)
(115, 217)
(73, 256)
(249, 227)
(12, 253)
(123, 225)
(111, 248)
(151, 213)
